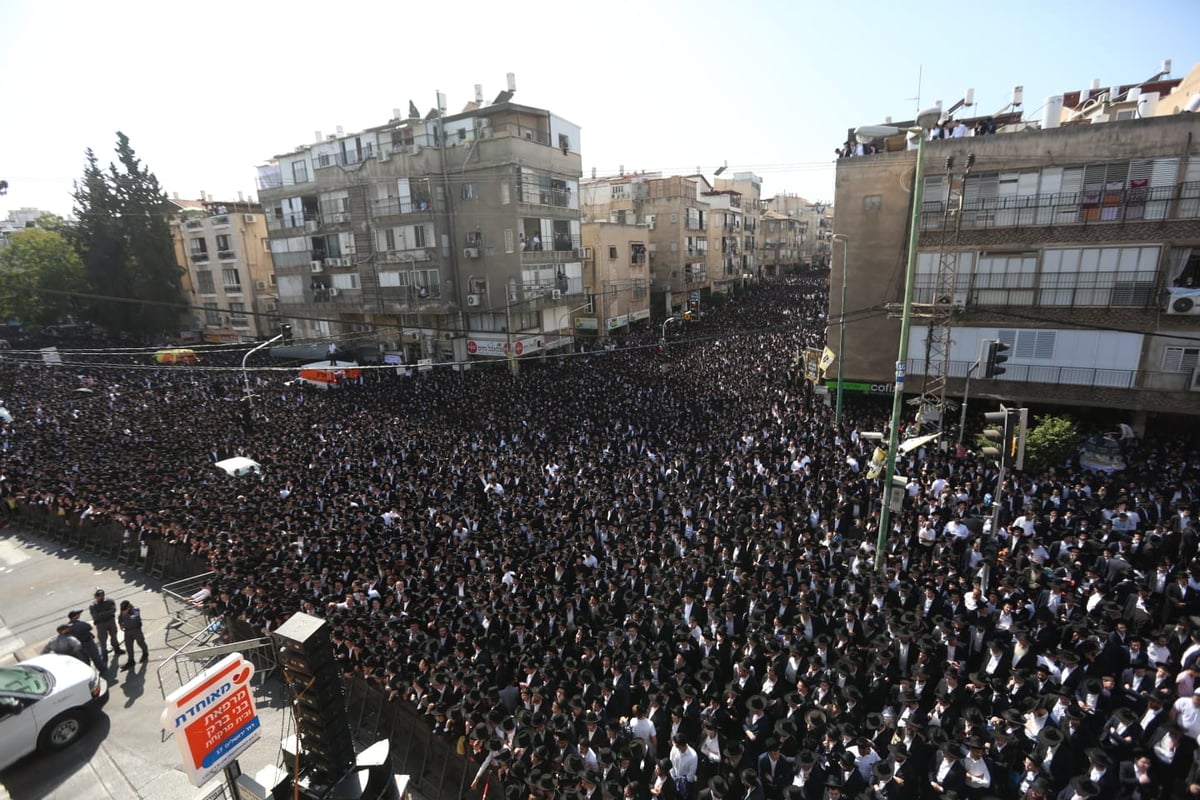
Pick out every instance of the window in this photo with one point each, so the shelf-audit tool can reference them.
(618, 191)
(1180, 359)
(204, 282)
(612, 252)
(198, 247)
(1098, 276)
(508, 240)
(223, 241)
(345, 280)
(299, 172)
(232, 280)
(469, 192)
(237, 315)
(1030, 345)
(211, 315)
(505, 194)
(419, 236)
(564, 143)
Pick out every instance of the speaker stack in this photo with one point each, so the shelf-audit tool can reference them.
(326, 746)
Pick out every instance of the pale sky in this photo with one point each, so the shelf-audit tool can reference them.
(207, 91)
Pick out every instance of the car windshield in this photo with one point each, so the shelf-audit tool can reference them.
(24, 680)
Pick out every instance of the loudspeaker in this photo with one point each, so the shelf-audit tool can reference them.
(311, 674)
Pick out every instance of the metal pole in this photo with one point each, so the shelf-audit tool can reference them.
(841, 354)
(245, 358)
(512, 361)
(962, 418)
(914, 236)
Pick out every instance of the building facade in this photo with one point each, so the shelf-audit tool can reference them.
(229, 277)
(454, 238)
(745, 266)
(616, 272)
(1072, 245)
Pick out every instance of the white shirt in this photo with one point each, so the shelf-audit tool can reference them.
(684, 763)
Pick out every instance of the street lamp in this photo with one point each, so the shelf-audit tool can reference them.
(841, 355)
(925, 120)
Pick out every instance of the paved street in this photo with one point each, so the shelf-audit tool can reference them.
(125, 755)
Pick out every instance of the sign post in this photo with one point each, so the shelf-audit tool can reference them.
(213, 718)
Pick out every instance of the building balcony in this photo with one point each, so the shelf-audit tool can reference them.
(198, 258)
(1088, 207)
(396, 208)
(220, 221)
(226, 255)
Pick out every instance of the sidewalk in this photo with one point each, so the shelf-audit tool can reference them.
(124, 755)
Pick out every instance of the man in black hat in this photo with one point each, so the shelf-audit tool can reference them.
(775, 771)
(809, 775)
(946, 774)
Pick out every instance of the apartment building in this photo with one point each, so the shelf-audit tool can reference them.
(1076, 245)
(616, 274)
(452, 237)
(745, 240)
(813, 235)
(228, 273)
(676, 212)
(782, 244)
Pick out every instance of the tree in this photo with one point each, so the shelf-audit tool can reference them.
(39, 272)
(1051, 442)
(124, 238)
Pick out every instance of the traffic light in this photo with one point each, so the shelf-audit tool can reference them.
(1017, 426)
(993, 357)
(694, 305)
(996, 430)
(285, 330)
(662, 346)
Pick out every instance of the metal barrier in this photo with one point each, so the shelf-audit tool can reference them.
(187, 618)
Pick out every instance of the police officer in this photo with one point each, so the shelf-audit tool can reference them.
(65, 644)
(130, 620)
(83, 632)
(104, 617)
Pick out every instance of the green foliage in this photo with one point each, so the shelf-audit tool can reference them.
(1050, 442)
(39, 274)
(124, 238)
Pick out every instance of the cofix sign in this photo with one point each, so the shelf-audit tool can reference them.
(213, 717)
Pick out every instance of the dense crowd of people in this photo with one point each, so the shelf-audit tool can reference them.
(651, 575)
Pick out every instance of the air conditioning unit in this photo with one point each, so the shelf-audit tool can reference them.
(260, 285)
(650, 222)
(471, 252)
(317, 266)
(334, 292)
(555, 294)
(1183, 300)
(341, 216)
(474, 299)
(247, 218)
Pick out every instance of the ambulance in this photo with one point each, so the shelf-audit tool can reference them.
(326, 375)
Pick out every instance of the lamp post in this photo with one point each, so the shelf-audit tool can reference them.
(841, 354)
(246, 372)
(924, 120)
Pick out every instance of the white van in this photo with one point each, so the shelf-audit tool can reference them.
(46, 703)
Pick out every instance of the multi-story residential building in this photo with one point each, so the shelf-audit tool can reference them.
(816, 226)
(616, 275)
(749, 186)
(725, 223)
(459, 231)
(1073, 245)
(228, 274)
(781, 243)
(675, 212)
(18, 220)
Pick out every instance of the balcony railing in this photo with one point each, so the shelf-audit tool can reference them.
(563, 247)
(226, 255)
(344, 159)
(198, 258)
(392, 208)
(220, 220)
(555, 198)
(1070, 208)
(1073, 376)
(1050, 290)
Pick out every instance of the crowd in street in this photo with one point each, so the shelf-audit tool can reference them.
(651, 575)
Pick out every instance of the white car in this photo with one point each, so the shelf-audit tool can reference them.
(46, 703)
